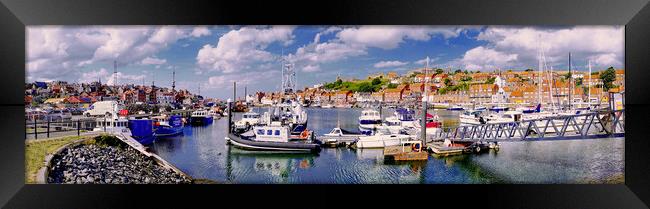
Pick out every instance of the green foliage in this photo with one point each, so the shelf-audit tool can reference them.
(579, 81)
(466, 78)
(365, 87)
(447, 82)
(458, 71)
(490, 80)
(439, 71)
(376, 81)
(108, 140)
(608, 76)
(357, 86)
(392, 85)
(528, 70)
(568, 75)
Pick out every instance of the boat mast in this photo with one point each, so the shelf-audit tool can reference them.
(589, 83)
(570, 83)
(539, 77)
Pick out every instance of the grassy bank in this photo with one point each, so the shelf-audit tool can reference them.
(36, 150)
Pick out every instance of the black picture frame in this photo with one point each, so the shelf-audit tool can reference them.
(16, 14)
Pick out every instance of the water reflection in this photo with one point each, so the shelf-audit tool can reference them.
(202, 153)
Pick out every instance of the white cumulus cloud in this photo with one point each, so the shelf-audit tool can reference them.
(240, 49)
(384, 64)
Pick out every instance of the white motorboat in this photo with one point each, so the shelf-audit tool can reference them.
(393, 125)
(381, 139)
(248, 119)
(369, 121)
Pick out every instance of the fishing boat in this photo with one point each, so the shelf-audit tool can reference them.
(273, 137)
(381, 139)
(167, 126)
(327, 106)
(369, 121)
(142, 130)
(201, 117)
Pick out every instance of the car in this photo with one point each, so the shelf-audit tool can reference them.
(77, 111)
(59, 115)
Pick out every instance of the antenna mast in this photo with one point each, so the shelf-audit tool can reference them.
(174, 80)
(114, 73)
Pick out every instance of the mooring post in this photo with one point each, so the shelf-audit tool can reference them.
(229, 116)
(424, 122)
(48, 128)
(35, 129)
(104, 123)
(78, 127)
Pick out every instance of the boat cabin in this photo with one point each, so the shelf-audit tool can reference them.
(272, 133)
(200, 113)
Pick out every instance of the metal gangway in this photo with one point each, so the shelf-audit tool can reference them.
(597, 124)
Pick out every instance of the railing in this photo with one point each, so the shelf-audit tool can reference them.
(588, 125)
(50, 128)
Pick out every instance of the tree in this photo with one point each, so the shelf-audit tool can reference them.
(490, 80)
(392, 85)
(568, 75)
(376, 81)
(579, 81)
(608, 76)
(439, 71)
(528, 70)
(365, 87)
(447, 82)
(458, 71)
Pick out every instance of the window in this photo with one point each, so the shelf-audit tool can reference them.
(260, 132)
(269, 132)
(277, 132)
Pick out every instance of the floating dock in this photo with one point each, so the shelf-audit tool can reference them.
(404, 153)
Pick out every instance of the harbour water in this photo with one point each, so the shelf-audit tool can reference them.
(202, 153)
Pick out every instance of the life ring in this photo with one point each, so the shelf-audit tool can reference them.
(415, 147)
(304, 134)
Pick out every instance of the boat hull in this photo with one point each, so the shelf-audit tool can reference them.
(272, 146)
(201, 120)
(379, 142)
(168, 131)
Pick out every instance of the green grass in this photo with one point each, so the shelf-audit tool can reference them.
(36, 150)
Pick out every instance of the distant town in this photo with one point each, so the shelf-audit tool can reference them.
(458, 87)
(443, 86)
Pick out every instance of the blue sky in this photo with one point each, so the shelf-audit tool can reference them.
(214, 56)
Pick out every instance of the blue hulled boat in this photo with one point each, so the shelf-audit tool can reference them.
(201, 117)
(168, 126)
(142, 130)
